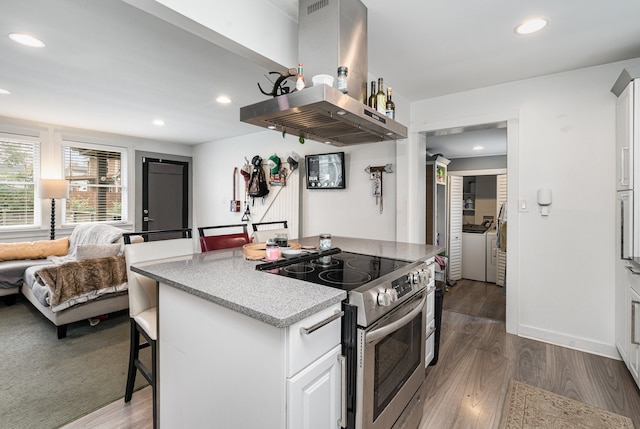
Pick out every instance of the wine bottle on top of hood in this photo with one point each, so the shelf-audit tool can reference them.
(391, 107)
(381, 99)
(372, 97)
(300, 78)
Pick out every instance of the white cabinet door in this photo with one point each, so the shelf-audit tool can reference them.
(623, 310)
(624, 139)
(306, 347)
(315, 394)
(624, 225)
(429, 345)
(634, 323)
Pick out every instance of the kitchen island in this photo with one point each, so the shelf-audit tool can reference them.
(231, 351)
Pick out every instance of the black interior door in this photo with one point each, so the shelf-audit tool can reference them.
(165, 200)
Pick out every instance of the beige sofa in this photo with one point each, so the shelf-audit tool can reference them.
(90, 245)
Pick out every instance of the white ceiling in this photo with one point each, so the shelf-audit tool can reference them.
(493, 142)
(110, 67)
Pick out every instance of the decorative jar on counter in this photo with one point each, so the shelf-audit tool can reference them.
(272, 251)
(325, 244)
(281, 239)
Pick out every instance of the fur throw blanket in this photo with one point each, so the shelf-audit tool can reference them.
(80, 281)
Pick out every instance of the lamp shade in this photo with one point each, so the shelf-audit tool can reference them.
(54, 188)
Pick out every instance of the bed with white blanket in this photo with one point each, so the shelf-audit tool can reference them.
(89, 281)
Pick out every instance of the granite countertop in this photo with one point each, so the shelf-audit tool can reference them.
(226, 278)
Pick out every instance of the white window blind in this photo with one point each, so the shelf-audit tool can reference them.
(19, 172)
(95, 184)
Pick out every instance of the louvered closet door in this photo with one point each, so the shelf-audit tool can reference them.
(501, 198)
(455, 227)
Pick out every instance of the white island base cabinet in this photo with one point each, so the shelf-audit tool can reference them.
(219, 368)
(312, 402)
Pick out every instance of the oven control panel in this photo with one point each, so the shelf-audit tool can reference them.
(416, 279)
(384, 295)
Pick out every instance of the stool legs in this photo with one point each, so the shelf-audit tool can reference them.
(135, 364)
(134, 352)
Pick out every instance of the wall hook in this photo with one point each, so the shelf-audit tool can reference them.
(375, 174)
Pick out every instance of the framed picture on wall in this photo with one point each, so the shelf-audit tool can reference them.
(326, 171)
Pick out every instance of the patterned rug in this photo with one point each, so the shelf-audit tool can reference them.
(529, 407)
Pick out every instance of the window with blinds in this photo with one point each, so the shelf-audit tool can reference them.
(95, 184)
(19, 172)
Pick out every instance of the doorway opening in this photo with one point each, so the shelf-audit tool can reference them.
(476, 196)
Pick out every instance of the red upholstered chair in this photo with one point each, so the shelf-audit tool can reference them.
(223, 241)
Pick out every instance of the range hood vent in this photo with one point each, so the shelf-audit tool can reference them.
(324, 114)
(335, 32)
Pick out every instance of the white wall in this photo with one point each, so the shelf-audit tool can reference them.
(349, 212)
(51, 138)
(233, 24)
(560, 285)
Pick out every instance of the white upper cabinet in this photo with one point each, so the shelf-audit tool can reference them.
(624, 138)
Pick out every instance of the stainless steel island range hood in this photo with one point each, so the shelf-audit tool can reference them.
(332, 33)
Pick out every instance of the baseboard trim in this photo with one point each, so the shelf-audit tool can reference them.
(576, 343)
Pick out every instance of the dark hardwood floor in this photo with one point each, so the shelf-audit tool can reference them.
(478, 359)
(476, 299)
(466, 389)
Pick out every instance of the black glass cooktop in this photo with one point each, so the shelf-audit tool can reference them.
(344, 270)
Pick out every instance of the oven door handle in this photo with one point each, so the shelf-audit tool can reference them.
(394, 326)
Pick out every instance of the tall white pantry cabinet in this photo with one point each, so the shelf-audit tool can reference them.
(627, 265)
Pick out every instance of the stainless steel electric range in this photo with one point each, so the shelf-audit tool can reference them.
(384, 330)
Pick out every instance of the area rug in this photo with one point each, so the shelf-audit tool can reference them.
(46, 382)
(528, 407)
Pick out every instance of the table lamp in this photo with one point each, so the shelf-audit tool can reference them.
(54, 188)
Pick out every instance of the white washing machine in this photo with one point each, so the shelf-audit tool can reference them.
(492, 256)
(474, 250)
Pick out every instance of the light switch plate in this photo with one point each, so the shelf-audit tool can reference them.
(523, 206)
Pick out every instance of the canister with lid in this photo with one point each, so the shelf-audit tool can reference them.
(325, 244)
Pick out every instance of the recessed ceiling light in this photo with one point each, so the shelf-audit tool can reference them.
(531, 26)
(478, 147)
(27, 40)
(272, 127)
(4, 91)
(158, 123)
(223, 99)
